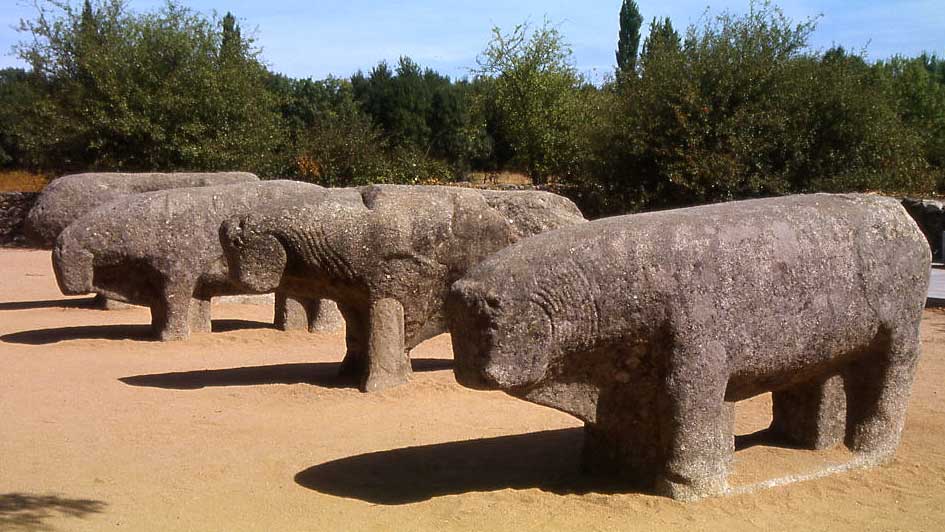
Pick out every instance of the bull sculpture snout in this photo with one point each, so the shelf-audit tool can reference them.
(73, 266)
(469, 309)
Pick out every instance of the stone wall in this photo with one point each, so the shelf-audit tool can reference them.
(14, 206)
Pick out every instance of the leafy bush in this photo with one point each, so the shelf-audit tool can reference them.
(340, 145)
(342, 150)
(738, 109)
(169, 89)
(918, 87)
(533, 98)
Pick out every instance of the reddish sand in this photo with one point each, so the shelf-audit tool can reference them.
(248, 429)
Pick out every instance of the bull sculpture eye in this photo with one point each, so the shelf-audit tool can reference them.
(492, 299)
(236, 237)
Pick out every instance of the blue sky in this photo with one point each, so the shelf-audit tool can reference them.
(316, 38)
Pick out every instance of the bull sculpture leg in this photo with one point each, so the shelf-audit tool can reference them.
(699, 424)
(326, 318)
(356, 341)
(811, 415)
(878, 392)
(200, 320)
(171, 312)
(375, 341)
(299, 314)
(388, 364)
(626, 441)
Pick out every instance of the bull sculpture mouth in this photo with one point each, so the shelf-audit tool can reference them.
(472, 375)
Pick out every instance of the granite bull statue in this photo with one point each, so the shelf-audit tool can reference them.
(650, 327)
(388, 261)
(67, 198)
(162, 250)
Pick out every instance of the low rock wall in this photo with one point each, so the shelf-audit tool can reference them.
(14, 206)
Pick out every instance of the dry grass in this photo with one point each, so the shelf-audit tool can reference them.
(22, 181)
(499, 178)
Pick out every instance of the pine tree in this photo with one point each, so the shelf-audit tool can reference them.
(629, 41)
(89, 36)
(662, 35)
(88, 43)
(87, 22)
(232, 43)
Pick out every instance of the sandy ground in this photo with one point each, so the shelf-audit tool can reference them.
(247, 429)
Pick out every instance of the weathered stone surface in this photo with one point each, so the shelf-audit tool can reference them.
(162, 250)
(387, 260)
(531, 212)
(67, 198)
(649, 327)
(14, 207)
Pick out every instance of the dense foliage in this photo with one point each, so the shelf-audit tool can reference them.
(533, 98)
(739, 109)
(167, 89)
(736, 107)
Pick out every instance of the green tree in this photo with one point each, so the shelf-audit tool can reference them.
(662, 37)
(934, 65)
(534, 97)
(739, 109)
(843, 131)
(420, 111)
(17, 97)
(919, 91)
(342, 147)
(628, 42)
(231, 45)
(123, 90)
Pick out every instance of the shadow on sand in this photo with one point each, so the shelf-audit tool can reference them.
(547, 460)
(764, 438)
(23, 511)
(82, 332)
(238, 325)
(324, 374)
(85, 302)
(138, 332)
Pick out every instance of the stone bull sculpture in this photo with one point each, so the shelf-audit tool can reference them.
(67, 198)
(162, 250)
(388, 262)
(649, 327)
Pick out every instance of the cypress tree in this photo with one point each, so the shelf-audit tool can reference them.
(628, 42)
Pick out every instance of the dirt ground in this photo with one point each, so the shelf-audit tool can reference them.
(247, 429)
